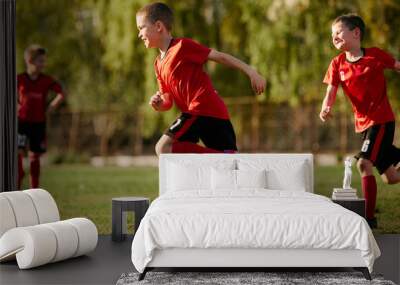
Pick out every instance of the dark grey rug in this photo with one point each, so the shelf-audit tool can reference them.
(243, 278)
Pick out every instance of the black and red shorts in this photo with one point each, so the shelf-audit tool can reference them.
(32, 135)
(215, 133)
(378, 146)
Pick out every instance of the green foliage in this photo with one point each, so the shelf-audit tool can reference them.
(51, 24)
(94, 49)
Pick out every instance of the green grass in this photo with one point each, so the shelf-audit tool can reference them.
(82, 190)
(87, 191)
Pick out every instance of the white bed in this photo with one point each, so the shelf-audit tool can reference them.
(247, 210)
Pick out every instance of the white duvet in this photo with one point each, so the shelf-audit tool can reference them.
(250, 219)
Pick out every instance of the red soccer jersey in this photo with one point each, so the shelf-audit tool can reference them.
(32, 96)
(181, 74)
(364, 83)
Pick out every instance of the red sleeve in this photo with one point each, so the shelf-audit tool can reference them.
(56, 87)
(332, 74)
(20, 82)
(383, 57)
(161, 86)
(195, 52)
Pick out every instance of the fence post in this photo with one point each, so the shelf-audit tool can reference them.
(255, 126)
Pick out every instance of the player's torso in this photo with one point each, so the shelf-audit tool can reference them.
(363, 82)
(188, 83)
(179, 73)
(32, 96)
(363, 78)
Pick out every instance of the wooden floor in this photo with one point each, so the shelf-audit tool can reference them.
(110, 260)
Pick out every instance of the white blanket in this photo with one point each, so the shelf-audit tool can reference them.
(250, 219)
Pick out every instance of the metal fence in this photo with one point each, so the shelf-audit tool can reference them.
(260, 127)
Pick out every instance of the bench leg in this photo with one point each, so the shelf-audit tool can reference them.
(364, 271)
(143, 274)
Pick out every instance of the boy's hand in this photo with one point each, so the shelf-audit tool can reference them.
(51, 108)
(258, 82)
(325, 114)
(156, 101)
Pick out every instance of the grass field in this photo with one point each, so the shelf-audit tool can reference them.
(82, 190)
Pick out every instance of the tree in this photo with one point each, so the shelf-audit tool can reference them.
(94, 50)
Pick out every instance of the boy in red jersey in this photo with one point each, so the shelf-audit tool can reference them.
(360, 72)
(33, 87)
(182, 80)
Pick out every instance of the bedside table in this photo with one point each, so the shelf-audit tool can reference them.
(355, 205)
(120, 206)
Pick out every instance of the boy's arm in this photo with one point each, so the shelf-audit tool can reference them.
(257, 81)
(161, 101)
(60, 96)
(55, 102)
(328, 102)
(397, 65)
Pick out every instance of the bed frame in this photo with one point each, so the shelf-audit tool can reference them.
(251, 258)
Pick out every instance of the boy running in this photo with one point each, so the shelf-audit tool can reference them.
(182, 80)
(33, 87)
(360, 72)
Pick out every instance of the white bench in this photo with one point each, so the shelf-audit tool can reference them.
(31, 231)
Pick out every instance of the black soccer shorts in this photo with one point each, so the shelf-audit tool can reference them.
(32, 135)
(215, 133)
(378, 146)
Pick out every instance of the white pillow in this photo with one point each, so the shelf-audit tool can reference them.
(186, 175)
(223, 179)
(182, 177)
(251, 178)
(281, 174)
(294, 180)
(227, 179)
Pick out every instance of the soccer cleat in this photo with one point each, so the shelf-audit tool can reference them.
(373, 223)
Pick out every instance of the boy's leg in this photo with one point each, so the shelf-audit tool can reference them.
(164, 145)
(21, 172)
(378, 148)
(168, 145)
(182, 137)
(22, 142)
(375, 141)
(34, 159)
(37, 146)
(188, 147)
(368, 185)
(392, 174)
